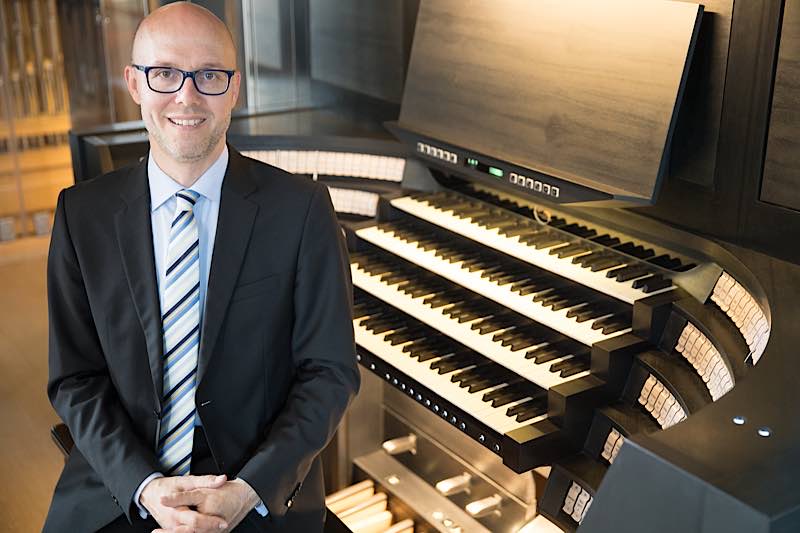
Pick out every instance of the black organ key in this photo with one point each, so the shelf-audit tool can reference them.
(491, 327)
(408, 334)
(453, 362)
(579, 230)
(652, 283)
(384, 327)
(666, 261)
(425, 354)
(527, 410)
(569, 250)
(544, 295)
(526, 288)
(604, 263)
(620, 318)
(510, 394)
(614, 327)
(375, 320)
(507, 334)
(544, 354)
(587, 260)
(546, 241)
(365, 310)
(641, 282)
(507, 223)
(516, 230)
(573, 365)
(636, 250)
(628, 273)
(606, 240)
(415, 348)
(390, 278)
(575, 369)
(427, 244)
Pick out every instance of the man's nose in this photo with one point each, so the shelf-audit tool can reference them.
(188, 94)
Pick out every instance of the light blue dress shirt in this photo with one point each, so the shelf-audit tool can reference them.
(206, 212)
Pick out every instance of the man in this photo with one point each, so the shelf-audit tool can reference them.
(201, 348)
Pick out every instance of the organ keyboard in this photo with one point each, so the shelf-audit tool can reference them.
(545, 340)
(599, 261)
(563, 306)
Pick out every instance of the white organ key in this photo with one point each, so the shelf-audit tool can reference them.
(472, 403)
(512, 246)
(706, 360)
(462, 332)
(317, 162)
(744, 311)
(569, 500)
(557, 320)
(612, 445)
(660, 403)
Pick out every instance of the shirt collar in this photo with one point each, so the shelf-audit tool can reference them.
(163, 187)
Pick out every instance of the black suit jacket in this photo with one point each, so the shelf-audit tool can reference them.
(276, 366)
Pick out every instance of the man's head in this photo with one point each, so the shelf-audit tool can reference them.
(186, 128)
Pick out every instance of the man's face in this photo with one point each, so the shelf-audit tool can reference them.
(185, 126)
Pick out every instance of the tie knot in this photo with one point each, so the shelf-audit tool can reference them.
(186, 199)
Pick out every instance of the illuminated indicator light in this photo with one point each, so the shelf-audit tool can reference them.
(494, 171)
(472, 162)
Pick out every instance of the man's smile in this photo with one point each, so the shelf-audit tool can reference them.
(186, 122)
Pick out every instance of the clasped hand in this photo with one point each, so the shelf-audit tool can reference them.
(198, 504)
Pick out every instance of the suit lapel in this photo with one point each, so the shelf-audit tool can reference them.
(135, 238)
(234, 226)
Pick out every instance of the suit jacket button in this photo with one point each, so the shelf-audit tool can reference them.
(289, 503)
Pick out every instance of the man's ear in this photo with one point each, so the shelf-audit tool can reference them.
(132, 82)
(236, 81)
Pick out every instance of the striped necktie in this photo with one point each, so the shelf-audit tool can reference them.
(181, 324)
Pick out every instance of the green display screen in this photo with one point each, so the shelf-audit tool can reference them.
(494, 171)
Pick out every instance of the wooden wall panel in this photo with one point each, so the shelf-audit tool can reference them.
(781, 180)
(362, 45)
(694, 145)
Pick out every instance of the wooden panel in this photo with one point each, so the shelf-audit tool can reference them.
(694, 144)
(26, 451)
(360, 45)
(781, 180)
(581, 90)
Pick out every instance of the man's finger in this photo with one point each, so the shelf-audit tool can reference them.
(179, 529)
(199, 521)
(200, 482)
(183, 498)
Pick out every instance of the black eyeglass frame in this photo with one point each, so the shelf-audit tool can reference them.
(186, 74)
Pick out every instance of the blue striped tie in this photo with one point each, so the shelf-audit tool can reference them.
(181, 324)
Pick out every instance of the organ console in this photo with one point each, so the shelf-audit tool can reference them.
(574, 308)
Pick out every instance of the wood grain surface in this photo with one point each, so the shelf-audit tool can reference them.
(29, 460)
(359, 45)
(696, 138)
(581, 90)
(781, 180)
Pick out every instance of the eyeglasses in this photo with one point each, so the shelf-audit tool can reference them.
(208, 81)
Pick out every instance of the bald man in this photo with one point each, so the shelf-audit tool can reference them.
(201, 346)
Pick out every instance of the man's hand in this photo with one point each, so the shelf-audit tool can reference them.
(231, 502)
(180, 518)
